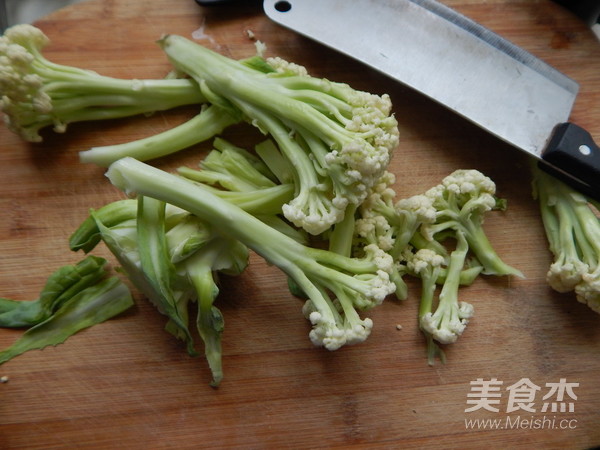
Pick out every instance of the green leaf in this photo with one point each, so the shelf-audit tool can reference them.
(91, 306)
(63, 284)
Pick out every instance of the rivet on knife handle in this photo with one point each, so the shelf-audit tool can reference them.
(573, 150)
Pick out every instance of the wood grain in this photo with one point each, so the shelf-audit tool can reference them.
(128, 384)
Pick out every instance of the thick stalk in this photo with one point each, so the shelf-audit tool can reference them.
(203, 126)
(342, 236)
(156, 264)
(485, 253)
(209, 320)
(221, 74)
(428, 286)
(294, 259)
(135, 177)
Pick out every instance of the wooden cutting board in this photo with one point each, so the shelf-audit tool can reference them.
(128, 384)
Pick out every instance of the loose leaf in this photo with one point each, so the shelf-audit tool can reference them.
(62, 285)
(91, 306)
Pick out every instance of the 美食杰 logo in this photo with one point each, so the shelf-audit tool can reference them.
(527, 404)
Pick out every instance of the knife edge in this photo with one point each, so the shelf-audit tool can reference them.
(498, 42)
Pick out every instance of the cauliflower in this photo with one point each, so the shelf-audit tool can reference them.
(416, 231)
(573, 232)
(336, 286)
(36, 93)
(461, 201)
(338, 141)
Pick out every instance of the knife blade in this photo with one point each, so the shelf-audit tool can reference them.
(462, 65)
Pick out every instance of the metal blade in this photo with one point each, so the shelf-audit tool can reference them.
(447, 57)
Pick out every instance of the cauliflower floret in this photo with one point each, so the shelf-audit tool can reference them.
(286, 67)
(359, 332)
(419, 205)
(465, 185)
(332, 336)
(564, 276)
(318, 218)
(382, 259)
(423, 260)
(377, 230)
(467, 181)
(324, 333)
(446, 328)
(450, 318)
(588, 292)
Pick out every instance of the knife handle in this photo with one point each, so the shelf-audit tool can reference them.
(588, 10)
(572, 150)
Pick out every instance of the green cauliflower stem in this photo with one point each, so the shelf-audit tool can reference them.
(209, 122)
(338, 141)
(220, 255)
(242, 178)
(36, 93)
(233, 168)
(158, 270)
(451, 316)
(356, 284)
(573, 232)
(87, 236)
(427, 265)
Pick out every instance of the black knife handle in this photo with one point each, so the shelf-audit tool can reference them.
(588, 10)
(573, 150)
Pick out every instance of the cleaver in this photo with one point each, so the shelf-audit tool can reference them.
(462, 65)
